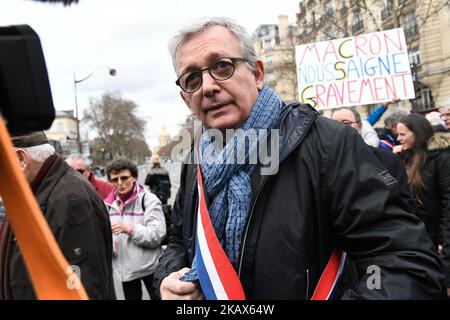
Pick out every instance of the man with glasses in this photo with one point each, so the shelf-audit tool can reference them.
(75, 214)
(239, 233)
(82, 164)
(392, 162)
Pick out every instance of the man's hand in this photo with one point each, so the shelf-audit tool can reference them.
(117, 228)
(172, 288)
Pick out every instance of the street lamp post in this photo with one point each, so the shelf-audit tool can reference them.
(112, 72)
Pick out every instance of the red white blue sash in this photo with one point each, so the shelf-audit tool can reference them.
(330, 276)
(217, 276)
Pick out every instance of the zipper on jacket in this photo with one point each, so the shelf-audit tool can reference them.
(259, 191)
(307, 284)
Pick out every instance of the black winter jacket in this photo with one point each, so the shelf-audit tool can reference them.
(329, 192)
(435, 207)
(436, 178)
(80, 223)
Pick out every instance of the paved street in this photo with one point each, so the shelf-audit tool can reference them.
(174, 171)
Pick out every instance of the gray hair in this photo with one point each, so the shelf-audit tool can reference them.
(41, 152)
(201, 25)
(393, 117)
(355, 113)
(78, 156)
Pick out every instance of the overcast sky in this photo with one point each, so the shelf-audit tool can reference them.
(130, 36)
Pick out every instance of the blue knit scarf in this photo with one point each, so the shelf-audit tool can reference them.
(226, 174)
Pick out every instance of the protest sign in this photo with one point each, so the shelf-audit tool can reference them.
(364, 69)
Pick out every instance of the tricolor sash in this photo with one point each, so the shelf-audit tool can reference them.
(330, 276)
(217, 277)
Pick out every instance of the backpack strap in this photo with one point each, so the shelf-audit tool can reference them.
(143, 202)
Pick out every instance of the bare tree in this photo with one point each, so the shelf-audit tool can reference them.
(120, 131)
(335, 22)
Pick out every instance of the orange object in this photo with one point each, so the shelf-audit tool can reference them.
(48, 269)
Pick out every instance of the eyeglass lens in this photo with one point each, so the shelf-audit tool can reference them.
(221, 69)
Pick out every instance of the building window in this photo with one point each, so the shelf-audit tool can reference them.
(330, 33)
(268, 61)
(424, 99)
(411, 28)
(268, 44)
(414, 56)
(328, 8)
(305, 27)
(61, 127)
(358, 23)
(387, 10)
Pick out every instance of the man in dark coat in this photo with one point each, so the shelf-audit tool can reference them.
(76, 215)
(278, 227)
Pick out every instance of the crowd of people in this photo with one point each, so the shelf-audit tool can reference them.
(343, 194)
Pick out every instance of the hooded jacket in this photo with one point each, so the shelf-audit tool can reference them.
(330, 192)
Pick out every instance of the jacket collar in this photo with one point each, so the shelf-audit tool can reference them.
(48, 183)
(439, 141)
(43, 172)
(109, 200)
(295, 121)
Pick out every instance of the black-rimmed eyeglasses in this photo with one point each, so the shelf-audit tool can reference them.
(221, 69)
